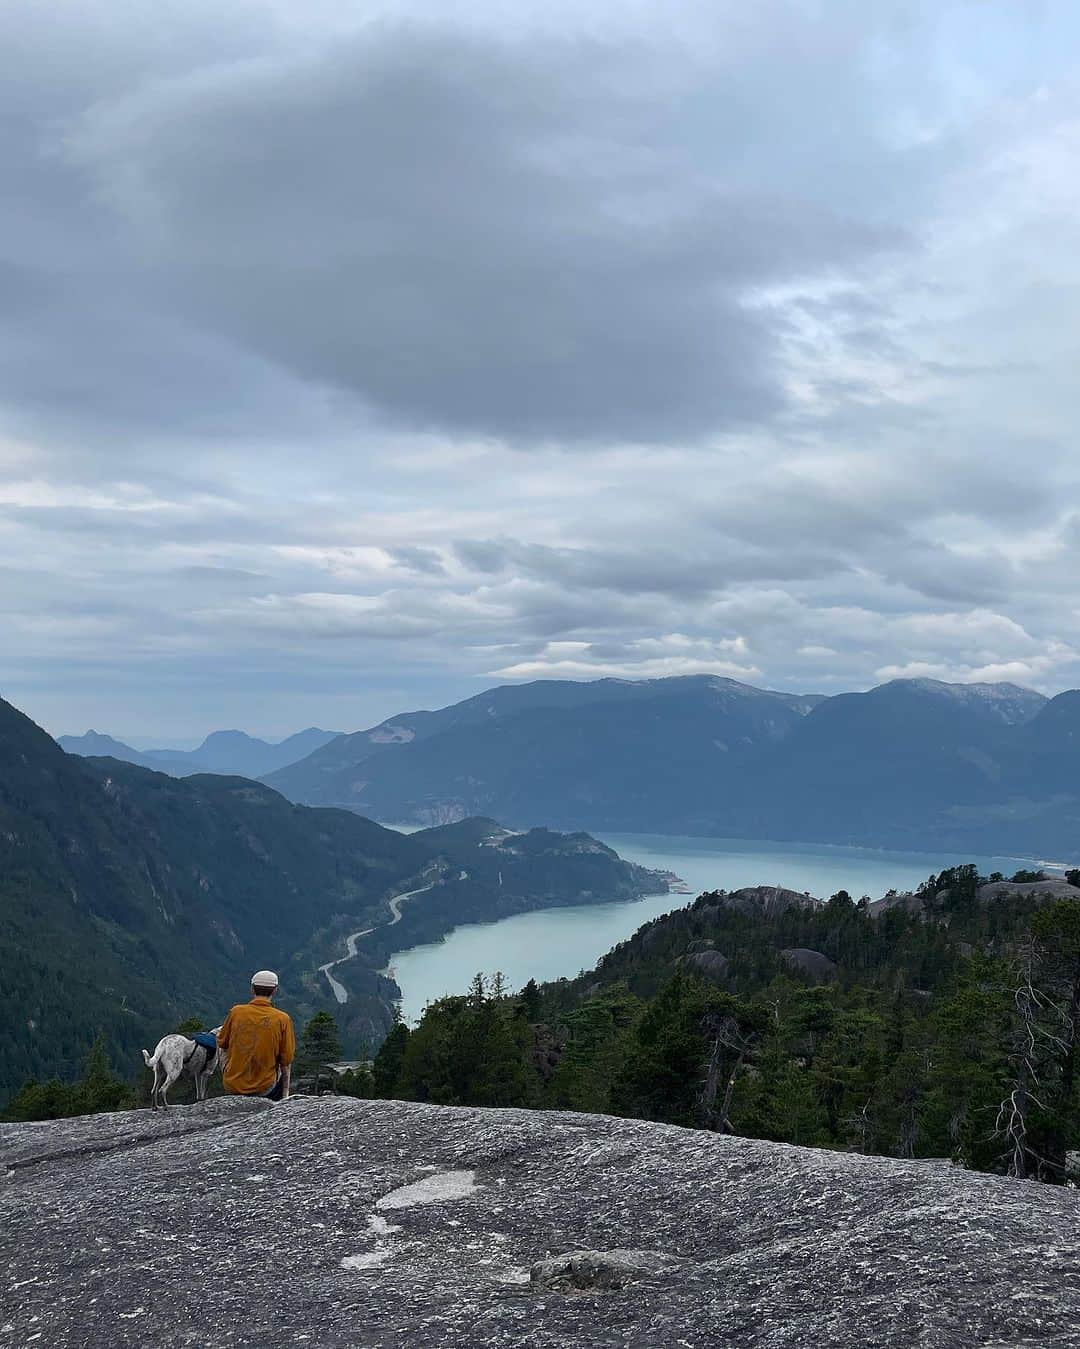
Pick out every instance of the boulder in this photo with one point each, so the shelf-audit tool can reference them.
(815, 964)
(336, 1222)
(603, 1270)
(1046, 890)
(711, 964)
(907, 899)
(652, 937)
(767, 901)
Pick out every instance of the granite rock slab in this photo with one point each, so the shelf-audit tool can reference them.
(336, 1222)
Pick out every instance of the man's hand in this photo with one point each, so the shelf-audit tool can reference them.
(286, 1080)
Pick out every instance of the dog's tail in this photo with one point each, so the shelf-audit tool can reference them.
(151, 1062)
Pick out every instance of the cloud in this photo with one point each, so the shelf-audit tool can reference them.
(471, 233)
(651, 658)
(355, 359)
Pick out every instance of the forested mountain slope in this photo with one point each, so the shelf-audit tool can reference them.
(130, 900)
(900, 1027)
(913, 764)
(608, 750)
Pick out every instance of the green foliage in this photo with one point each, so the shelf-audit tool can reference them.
(42, 1100)
(471, 1050)
(594, 1048)
(389, 1060)
(968, 1078)
(319, 1045)
(99, 1089)
(355, 1082)
(909, 1050)
(664, 1067)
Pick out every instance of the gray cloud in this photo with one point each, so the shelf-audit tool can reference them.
(711, 564)
(466, 233)
(349, 362)
(424, 560)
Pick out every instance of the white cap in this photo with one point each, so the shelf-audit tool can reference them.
(264, 979)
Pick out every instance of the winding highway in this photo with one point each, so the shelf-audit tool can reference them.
(336, 986)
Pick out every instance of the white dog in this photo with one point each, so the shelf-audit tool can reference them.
(174, 1055)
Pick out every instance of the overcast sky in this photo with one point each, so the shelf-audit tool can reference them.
(356, 357)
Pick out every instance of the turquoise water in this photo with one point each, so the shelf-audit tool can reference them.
(558, 943)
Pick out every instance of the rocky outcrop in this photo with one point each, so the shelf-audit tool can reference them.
(994, 892)
(763, 901)
(711, 964)
(381, 1224)
(1046, 890)
(815, 964)
(605, 1270)
(898, 899)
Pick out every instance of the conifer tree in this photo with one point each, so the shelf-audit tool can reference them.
(320, 1045)
(100, 1088)
(388, 1060)
(597, 1037)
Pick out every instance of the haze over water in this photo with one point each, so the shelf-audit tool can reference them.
(558, 943)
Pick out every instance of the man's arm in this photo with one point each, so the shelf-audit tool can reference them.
(223, 1035)
(286, 1054)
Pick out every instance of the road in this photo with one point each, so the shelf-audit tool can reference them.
(336, 986)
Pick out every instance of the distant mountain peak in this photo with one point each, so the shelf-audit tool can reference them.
(962, 689)
(1009, 703)
(230, 737)
(95, 744)
(233, 753)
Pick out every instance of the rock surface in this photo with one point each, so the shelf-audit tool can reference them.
(389, 1225)
(601, 1269)
(764, 901)
(815, 964)
(993, 892)
(711, 964)
(1050, 889)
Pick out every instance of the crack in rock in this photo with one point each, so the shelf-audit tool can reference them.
(27, 1145)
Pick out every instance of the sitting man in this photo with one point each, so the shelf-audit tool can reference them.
(259, 1044)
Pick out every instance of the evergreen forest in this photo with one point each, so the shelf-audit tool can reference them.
(939, 1025)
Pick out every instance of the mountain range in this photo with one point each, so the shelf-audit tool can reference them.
(230, 752)
(131, 900)
(611, 749)
(913, 764)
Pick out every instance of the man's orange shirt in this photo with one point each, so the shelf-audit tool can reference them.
(258, 1041)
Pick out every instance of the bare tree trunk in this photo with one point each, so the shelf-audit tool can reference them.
(727, 1037)
(712, 1083)
(1013, 1113)
(1015, 1128)
(725, 1109)
(860, 1125)
(909, 1126)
